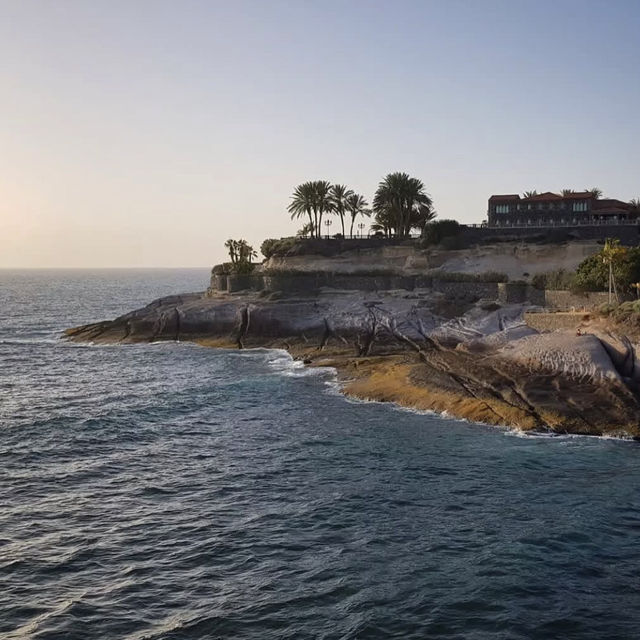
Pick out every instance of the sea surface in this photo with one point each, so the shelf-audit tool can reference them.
(168, 491)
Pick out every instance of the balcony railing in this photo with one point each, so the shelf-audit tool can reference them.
(579, 223)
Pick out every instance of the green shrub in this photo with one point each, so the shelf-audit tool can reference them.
(267, 247)
(606, 308)
(558, 280)
(277, 247)
(434, 232)
(593, 273)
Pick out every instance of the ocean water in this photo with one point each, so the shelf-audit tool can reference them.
(168, 491)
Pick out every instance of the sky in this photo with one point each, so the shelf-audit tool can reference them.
(144, 133)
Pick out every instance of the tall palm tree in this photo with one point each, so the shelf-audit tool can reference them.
(232, 248)
(383, 222)
(356, 206)
(595, 192)
(321, 202)
(338, 195)
(245, 252)
(302, 202)
(397, 198)
(529, 194)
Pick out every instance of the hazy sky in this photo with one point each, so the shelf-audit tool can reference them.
(146, 133)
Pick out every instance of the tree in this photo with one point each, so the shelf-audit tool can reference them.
(435, 232)
(302, 202)
(245, 252)
(529, 194)
(305, 230)
(567, 192)
(241, 254)
(356, 206)
(322, 202)
(338, 196)
(594, 272)
(311, 199)
(232, 247)
(612, 254)
(398, 202)
(595, 192)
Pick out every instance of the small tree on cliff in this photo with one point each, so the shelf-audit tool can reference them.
(612, 254)
(241, 254)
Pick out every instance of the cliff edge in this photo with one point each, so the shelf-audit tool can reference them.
(474, 360)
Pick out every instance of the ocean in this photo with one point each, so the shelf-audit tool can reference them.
(169, 491)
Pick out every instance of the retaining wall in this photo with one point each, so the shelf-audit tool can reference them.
(544, 321)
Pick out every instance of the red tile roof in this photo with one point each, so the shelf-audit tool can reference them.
(610, 202)
(579, 195)
(508, 197)
(547, 195)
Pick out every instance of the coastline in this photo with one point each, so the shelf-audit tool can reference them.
(485, 367)
(398, 377)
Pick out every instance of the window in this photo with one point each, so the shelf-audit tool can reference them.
(579, 206)
(502, 208)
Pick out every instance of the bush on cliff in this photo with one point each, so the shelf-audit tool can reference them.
(434, 232)
(277, 246)
(558, 280)
(593, 273)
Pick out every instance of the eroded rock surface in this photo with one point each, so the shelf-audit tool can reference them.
(484, 364)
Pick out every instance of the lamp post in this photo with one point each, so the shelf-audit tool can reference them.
(361, 226)
(327, 223)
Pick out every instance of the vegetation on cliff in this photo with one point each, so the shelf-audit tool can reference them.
(614, 266)
(319, 198)
(400, 204)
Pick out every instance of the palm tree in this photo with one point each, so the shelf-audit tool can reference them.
(421, 216)
(383, 223)
(302, 202)
(397, 199)
(338, 195)
(595, 192)
(356, 206)
(232, 247)
(567, 192)
(321, 202)
(245, 252)
(529, 194)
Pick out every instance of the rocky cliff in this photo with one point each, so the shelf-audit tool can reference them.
(476, 361)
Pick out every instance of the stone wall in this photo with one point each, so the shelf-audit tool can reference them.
(467, 290)
(628, 234)
(567, 301)
(543, 321)
(237, 282)
(504, 292)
